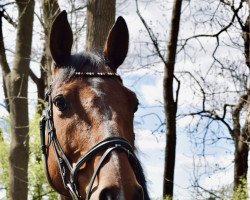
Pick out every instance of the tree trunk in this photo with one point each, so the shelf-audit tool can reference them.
(17, 84)
(170, 105)
(241, 150)
(50, 11)
(242, 136)
(240, 167)
(100, 18)
(3, 63)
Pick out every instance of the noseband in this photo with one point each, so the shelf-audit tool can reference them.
(67, 170)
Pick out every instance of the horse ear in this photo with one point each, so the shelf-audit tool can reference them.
(116, 46)
(61, 39)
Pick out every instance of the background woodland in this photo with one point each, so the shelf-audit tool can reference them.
(197, 50)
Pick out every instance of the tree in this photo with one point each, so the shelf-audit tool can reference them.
(170, 104)
(50, 10)
(16, 85)
(100, 18)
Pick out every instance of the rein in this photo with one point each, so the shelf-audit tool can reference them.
(68, 172)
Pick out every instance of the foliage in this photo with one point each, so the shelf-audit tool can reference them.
(38, 186)
(241, 190)
(4, 149)
(168, 198)
(224, 192)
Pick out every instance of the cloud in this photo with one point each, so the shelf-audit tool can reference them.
(153, 93)
(148, 141)
(219, 179)
(151, 154)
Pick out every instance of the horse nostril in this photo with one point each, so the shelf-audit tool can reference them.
(108, 194)
(115, 194)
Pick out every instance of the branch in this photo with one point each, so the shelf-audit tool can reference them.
(201, 88)
(236, 114)
(10, 3)
(3, 60)
(216, 35)
(208, 191)
(177, 90)
(209, 113)
(215, 50)
(235, 10)
(6, 99)
(43, 195)
(225, 109)
(151, 34)
(39, 19)
(78, 9)
(33, 77)
(158, 117)
(9, 19)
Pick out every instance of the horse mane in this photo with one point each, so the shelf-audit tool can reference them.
(142, 180)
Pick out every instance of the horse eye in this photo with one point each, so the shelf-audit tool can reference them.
(60, 102)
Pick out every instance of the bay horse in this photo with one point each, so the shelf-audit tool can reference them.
(87, 136)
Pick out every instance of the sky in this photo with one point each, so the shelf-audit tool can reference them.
(146, 80)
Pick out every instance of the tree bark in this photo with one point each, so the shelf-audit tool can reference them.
(100, 18)
(240, 163)
(3, 62)
(50, 11)
(241, 137)
(241, 149)
(17, 84)
(170, 105)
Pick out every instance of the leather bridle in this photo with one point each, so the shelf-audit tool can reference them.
(67, 170)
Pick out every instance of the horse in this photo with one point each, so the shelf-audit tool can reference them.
(86, 129)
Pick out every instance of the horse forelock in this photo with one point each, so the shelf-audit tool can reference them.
(81, 62)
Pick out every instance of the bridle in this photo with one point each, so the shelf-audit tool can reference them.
(67, 170)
